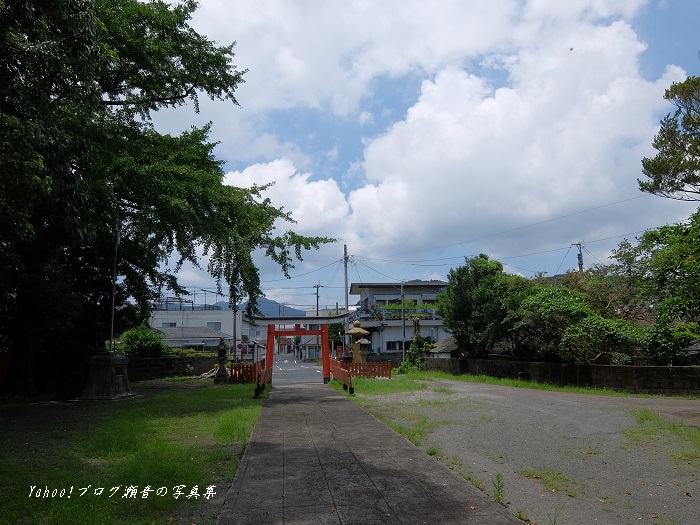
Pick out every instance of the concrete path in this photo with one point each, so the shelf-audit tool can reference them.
(317, 458)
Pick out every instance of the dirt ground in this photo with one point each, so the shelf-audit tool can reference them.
(517, 443)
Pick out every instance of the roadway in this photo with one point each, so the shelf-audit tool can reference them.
(290, 370)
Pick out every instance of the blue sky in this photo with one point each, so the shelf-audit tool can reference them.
(419, 133)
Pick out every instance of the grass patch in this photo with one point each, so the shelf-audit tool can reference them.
(377, 387)
(193, 438)
(552, 480)
(178, 379)
(520, 383)
(651, 427)
(435, 451)
(415, 428)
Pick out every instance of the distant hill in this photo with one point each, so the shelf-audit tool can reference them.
(268, 308)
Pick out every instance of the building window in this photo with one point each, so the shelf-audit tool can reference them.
(214, 326)
(169, 325)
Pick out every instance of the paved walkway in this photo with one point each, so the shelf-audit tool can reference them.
(317, 458)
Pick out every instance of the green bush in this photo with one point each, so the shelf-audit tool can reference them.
(667, 345)
(142, 341)
(600, 340)
(411, 362)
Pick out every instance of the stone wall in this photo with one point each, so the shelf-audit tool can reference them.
(676, 380)
(157, 368)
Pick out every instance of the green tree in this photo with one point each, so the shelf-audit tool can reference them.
(666, 264)
(476, 304)
(544, 317)
(595, 339)
(612, 291)
(78, 84)
(675, 170)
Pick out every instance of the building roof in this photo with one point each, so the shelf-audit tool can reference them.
(305, 320)
(445, 346)
(356, 288)
(193, 332)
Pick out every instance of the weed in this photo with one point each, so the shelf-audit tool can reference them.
(435, 451)
(498, 489)
(552, 480)
(474, 481)
(522, 516)
(554, 520)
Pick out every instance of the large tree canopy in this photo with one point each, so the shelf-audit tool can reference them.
(83, 166)
(675, 170)
(476, 304)
(665, 263)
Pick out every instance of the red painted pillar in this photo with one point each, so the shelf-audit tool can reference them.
(325, 352)
(270, 346)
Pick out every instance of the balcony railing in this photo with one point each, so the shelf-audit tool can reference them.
(390, 314)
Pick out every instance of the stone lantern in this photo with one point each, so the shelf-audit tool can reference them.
(221, 373)
(359, 339)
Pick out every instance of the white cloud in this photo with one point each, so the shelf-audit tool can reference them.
(314, 205)
(528, 112)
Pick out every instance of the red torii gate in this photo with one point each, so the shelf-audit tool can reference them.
(273, 331)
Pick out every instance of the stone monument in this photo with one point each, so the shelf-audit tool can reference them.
(108, 376)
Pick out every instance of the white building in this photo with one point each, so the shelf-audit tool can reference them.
(380, 312)
(210, 321)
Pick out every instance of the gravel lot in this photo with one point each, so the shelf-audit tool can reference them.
(559, 458)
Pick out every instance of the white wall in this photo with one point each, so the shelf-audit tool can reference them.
(201, 318)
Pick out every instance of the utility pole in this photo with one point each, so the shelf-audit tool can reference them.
(345, 264)
(580, 256)
(403, 323)
(317, 286)
(347, 311)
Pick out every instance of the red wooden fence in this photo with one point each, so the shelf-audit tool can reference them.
(263, 377)
(251, 373)
(369, 369)
(242, 373)
(341, 374)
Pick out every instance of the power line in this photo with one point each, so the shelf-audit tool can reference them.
(523, 227)
(301, 274)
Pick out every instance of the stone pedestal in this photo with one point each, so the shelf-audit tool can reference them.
(356, 353)
(109, 378)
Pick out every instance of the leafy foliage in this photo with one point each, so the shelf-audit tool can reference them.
(142, 341)
(412, 361)
(88, 175)
(543, 317)
(476, 304)
(595, 339)
(666, 263)
(675, 170)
